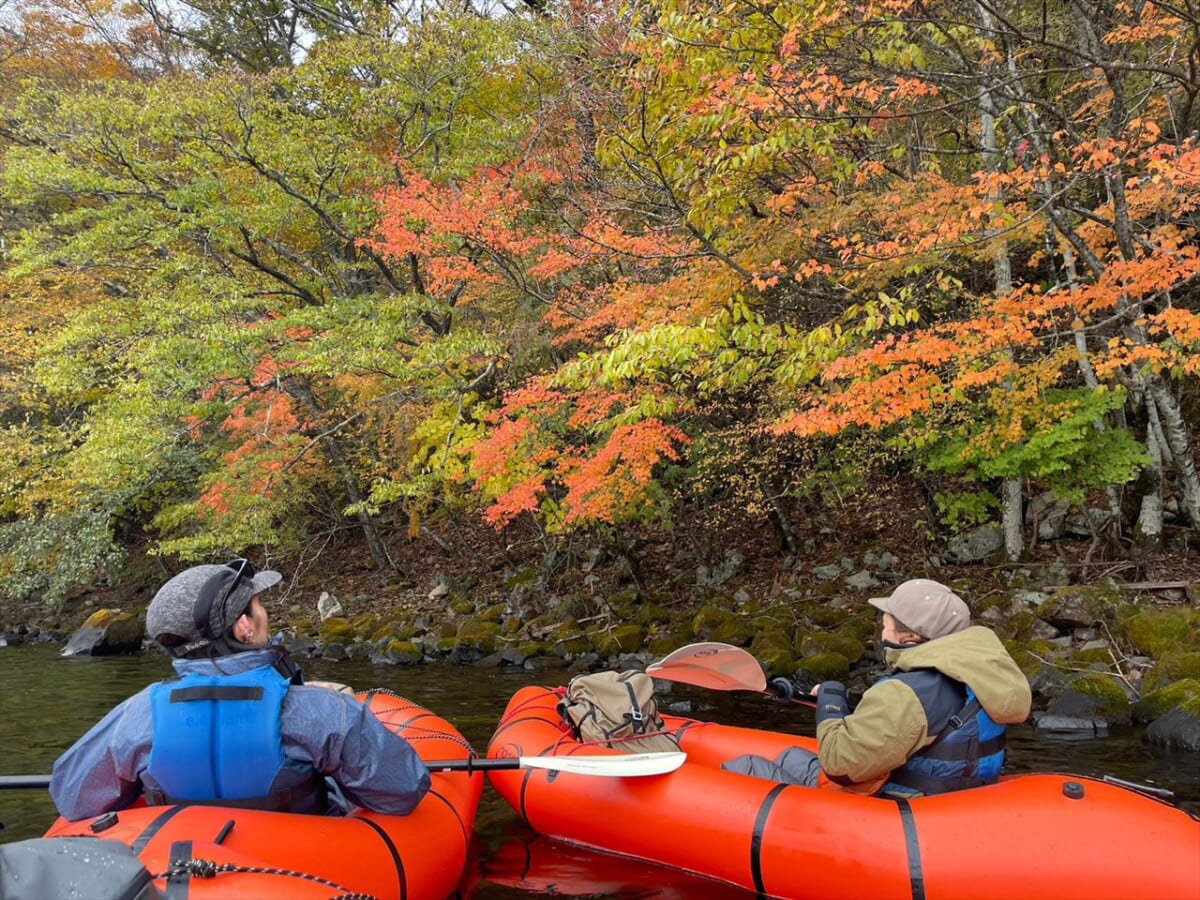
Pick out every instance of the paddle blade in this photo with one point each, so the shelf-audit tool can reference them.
(626, 765)
(711, 664)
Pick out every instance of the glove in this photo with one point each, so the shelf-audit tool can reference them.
(783, 689)
(831, 701)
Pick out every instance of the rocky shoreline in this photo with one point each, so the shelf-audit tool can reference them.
(1096, 656)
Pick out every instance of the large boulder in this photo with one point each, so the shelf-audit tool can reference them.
(107, 632)
(1178, 729)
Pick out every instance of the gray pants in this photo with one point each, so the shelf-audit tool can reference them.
(794, 766)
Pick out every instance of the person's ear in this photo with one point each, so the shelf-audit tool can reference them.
(243, 629)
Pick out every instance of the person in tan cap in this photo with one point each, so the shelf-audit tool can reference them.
(936, 724)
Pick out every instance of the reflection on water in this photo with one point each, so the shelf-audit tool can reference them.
(46, 702)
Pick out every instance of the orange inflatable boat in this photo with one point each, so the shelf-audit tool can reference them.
(1056, 837)
(240, 853)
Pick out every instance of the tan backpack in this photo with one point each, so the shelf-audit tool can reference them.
(617, 710)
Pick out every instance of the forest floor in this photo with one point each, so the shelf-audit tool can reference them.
(482, 564)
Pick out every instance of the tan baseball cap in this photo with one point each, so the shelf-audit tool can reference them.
(929, 608)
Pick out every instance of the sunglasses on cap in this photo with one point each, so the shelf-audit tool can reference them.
(242, 571)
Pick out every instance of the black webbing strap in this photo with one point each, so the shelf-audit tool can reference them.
(912, 845)
(178, 875)
(216, 692)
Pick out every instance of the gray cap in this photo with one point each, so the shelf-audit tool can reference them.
(929, 608)
(224, 592)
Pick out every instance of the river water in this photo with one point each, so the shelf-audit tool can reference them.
(46, 702)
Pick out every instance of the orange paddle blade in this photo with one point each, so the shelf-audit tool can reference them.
(711, 664)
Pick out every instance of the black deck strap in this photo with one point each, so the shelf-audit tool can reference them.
(177, 884)
(153, 828)
(454, 812)
(224, 832)
(396, 860)
(912, 846)
(756, 841)
(216, 692)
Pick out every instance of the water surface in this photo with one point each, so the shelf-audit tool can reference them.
(46, 702)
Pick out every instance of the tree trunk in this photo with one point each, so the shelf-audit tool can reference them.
(1175, 431)
(1013, 489)
(1148, 531)
(1014, 518)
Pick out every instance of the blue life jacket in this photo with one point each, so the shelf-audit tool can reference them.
(218, 740)
(967, 753)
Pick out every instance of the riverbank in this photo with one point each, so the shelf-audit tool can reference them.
(1122, 646)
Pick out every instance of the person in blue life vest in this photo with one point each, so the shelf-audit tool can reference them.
(237, 726)
(935, 724)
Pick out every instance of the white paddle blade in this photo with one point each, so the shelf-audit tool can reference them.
(624, 766)
(711, 664)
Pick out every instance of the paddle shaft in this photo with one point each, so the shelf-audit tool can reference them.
(615, 766)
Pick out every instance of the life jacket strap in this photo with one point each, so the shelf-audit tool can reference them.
(215, 692)
(932, 784)
(961, 750)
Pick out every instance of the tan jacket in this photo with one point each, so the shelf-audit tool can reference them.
(888, 726)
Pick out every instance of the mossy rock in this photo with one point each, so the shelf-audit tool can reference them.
(103, 618)
(660, 646)
(831, 666)
(1157, 632)
(1173, 666)
(708, 619)
(820, 614)
(1021, 625)
(389, 631)
(511, 625)
(1032, 655)
(336, 630)
(475, 632)
(777, 660)
(572, 646)
(626, 604)
(461, 606)
(531, 649)
(1081, 605)
(1082, 659)
(774, 617)
(652, 614)
(1112, 701)
(992, 602)
(843, 642)
(621, 639)
(681, 627)
(123, 630)
(494, 613)
(569, 629)
(403, 652)
(448, 629)
(365, 624)
(539, 624)
(1183, 694)
(773, 639)
(735, 632)
(712, 623)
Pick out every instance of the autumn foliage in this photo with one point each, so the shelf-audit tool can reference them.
(574, 266)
